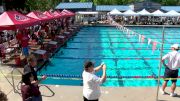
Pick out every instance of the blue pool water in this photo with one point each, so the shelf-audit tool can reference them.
(125, 57)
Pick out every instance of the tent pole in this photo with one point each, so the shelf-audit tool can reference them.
(160, 64)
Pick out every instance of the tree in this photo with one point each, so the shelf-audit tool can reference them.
(41, 4)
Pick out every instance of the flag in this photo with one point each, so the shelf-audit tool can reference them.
(154, 46)
(142, 38)
(139, 37)
(149, 41)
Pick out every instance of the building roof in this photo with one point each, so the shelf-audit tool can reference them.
(168, 8)
(75, 5)
(111, 7)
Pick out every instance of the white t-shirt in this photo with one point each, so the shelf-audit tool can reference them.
(91, 86)
(173, 60)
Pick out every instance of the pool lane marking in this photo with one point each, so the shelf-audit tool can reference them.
(100, 48)
(79, 77)
(118, 42)
(120, 82)
(105, 58)
(121, 37)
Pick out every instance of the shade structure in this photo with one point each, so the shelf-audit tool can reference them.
(39, 16)
(57, 14)
(49, 14)
(87, 13)
(130, 13)
(172, 13)
(12, 20)
(115, 12)
(68, 13)
(158, 13)
(144, 12)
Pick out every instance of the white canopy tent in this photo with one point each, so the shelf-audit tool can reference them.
(87, 13)
(115, 12)
(144, 12)
(158, 13)
(172, 13)
(130, 13)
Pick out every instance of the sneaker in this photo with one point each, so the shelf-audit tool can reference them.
(173, 94)
(163, 92)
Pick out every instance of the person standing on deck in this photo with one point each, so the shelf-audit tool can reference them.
(32, 67)
(171, 70)
(91, 82)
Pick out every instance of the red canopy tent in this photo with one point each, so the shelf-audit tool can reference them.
(39, 16)
(12, 20)
(49, 14)
(57, 14)
(69, 13)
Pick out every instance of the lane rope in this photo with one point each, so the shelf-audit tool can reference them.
(79, 77)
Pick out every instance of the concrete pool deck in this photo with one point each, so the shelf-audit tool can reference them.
(74, 93)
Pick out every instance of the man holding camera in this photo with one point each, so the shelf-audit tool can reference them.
(91, 82)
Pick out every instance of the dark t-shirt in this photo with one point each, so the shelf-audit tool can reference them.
(28, 69)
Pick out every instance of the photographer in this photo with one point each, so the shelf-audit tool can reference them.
(91, 82)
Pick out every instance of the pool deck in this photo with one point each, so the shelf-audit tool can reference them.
(74, 93)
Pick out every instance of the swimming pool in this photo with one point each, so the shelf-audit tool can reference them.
(129, 63)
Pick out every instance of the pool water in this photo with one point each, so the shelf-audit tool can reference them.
(129, 62)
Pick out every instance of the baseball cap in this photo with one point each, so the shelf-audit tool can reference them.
(176, 46)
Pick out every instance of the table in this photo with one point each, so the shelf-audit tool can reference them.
(14, 46)
(37, 47)
(40, 54)
(47, 40)
(52, 43)
(66, 32)
(61, 37)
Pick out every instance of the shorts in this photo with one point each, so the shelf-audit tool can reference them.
(171, 74)
(25, 51)
(85, 99)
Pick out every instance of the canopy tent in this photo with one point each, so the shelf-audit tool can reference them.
(144, 12)
(39, 16)
(130, 13)
(172, 13)
(69, 13)
(12, 20)
(87, 13)
(158, 13)
(115, 12)
(57, 14)
(49, 14)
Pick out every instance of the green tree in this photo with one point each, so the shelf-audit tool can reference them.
(41, 4)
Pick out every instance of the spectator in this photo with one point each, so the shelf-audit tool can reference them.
(32, 67)
(171, 71)
(29, 88)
